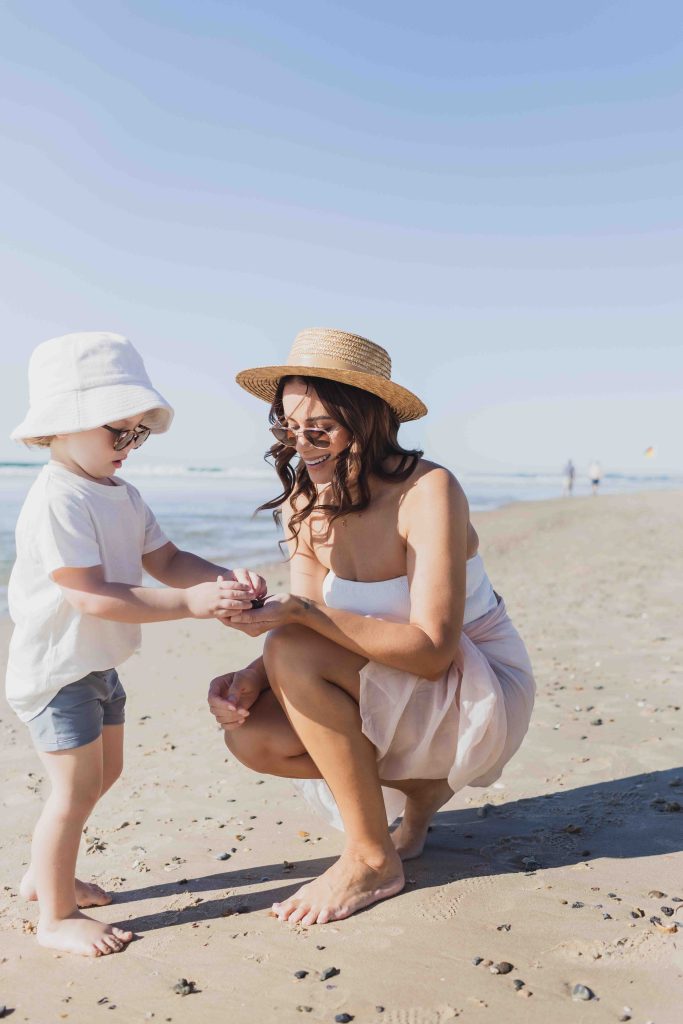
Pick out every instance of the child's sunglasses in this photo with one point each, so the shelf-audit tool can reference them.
(316, 436)
(124, 438)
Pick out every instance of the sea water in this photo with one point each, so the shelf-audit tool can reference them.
(210, 508)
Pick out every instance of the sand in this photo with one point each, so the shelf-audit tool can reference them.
(545, 870)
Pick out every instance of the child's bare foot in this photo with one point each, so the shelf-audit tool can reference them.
(81, 934)
(349, 885)
(87, 893)
(421, 806)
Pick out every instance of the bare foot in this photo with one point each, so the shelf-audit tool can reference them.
(421, 806)
(349, 885)
(87, 893)
(80, 934)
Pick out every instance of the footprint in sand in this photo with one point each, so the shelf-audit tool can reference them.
(422, 1015)
(634, 949)
(444, 903)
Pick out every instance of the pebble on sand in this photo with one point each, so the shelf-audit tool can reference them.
(582, 992)
(343, 1018)
(501, 968)
(329, 972)
(183, 987)
(300, 974)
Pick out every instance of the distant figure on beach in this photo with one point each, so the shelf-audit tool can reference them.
(569, 474)
(392, 663)
(83, 539)
(595, 475)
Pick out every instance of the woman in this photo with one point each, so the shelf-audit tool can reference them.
(392, 662)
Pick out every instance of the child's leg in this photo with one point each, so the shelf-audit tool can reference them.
(76, 776)
(112, 756)
(88, 894)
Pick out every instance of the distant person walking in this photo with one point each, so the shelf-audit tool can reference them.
(569, 474)
(595, 474)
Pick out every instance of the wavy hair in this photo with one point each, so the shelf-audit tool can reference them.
(373, 426)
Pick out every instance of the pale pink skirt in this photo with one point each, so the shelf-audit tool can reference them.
(464, 727)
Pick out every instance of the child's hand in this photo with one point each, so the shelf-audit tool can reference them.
(230, 697)
(256, 582)
(222, 598)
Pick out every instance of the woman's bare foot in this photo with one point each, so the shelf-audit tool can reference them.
(424, 801)
(349, 885)
(81, 934)
(87, 893)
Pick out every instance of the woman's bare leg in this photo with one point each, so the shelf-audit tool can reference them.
(317, 683)
(266, 742)
(424, 798)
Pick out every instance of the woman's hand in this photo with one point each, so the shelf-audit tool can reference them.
(230, 696)
(279, 610)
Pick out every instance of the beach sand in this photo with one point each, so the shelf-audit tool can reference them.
(554, 869)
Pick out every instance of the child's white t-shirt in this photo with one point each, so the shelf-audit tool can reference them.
(68, 521)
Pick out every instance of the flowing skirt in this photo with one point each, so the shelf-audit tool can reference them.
(463, 727)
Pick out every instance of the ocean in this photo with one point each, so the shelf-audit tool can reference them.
(209, 509)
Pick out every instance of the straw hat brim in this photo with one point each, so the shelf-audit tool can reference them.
(262, 381)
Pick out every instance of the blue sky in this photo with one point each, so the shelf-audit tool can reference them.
(494, 192)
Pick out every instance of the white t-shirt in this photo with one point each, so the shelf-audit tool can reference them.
(70, 522)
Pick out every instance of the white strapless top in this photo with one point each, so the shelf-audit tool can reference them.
(390, 599)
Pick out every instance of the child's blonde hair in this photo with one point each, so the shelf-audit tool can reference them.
(39, 442)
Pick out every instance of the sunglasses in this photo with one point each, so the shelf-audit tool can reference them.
(123, 438)
(316, 436)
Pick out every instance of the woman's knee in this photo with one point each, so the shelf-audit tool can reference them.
(283, 648)
(251, 748)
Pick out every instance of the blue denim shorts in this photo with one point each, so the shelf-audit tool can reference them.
(75, 716)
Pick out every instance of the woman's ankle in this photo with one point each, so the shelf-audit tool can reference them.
(375, 855)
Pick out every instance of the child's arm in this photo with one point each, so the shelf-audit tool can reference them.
(178, 568)
(90, 594)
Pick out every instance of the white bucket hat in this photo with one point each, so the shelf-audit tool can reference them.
(80, 381)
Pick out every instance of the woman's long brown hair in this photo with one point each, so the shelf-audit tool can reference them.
(373, 426)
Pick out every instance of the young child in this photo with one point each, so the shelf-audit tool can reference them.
(77, 603)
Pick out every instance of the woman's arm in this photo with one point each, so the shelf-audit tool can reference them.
(434, 517)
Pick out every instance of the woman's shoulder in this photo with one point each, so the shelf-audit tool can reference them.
(429, 475)
(430, 482)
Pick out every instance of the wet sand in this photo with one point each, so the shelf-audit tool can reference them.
(555, 869)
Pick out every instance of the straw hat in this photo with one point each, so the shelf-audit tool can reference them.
(336, 355)
(80, 381)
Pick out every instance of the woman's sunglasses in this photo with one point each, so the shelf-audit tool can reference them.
(316, 436)
(124, 438)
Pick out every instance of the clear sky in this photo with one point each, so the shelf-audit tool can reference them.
(493, 191)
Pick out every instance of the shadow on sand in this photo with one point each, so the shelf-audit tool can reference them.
(638, 816)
